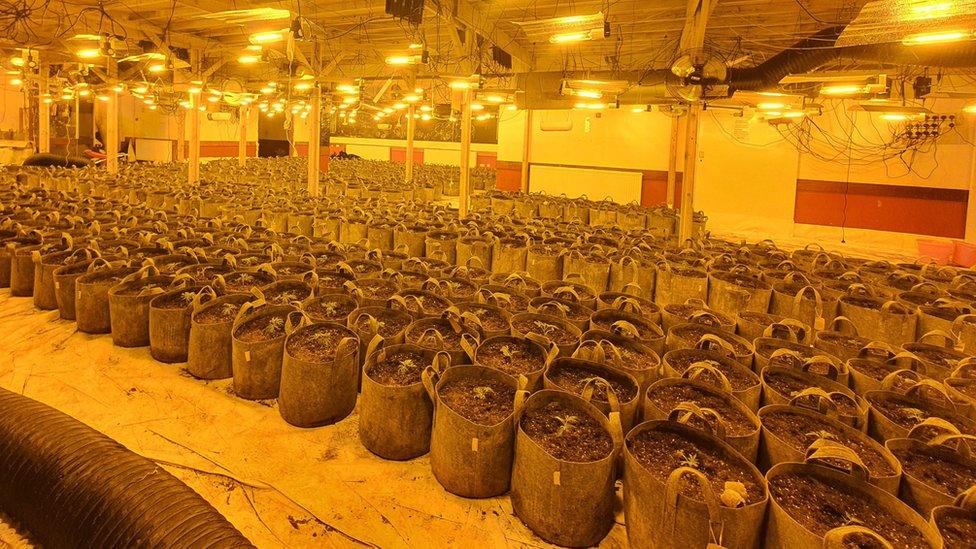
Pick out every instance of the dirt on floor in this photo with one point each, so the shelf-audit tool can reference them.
(280, 485)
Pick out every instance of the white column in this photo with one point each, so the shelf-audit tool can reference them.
(411, 131)
(193, 121)
(43, 109)
(111, 137)
(688, 179)
(314, 140)
(526, 151)
(243, 114)
(464, 181)
(673, 162)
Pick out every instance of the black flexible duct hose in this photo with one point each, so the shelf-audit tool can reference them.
(71, 486)
(818, 50)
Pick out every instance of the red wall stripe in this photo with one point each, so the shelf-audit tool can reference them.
(399, 154)
(508, 175)
(905, 209)
(488, 159)
(654, 188)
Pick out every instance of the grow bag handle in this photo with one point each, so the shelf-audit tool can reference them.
(711, 342)
(702, 368)
(891, 381)
(966, 499)
(877, 348)
(540, 339)
(589, 387)
(683, 412)
(430, 377)
(822, 361)
(143, 273)
(672, 490)
(626, 304)
(181, 280)
(625, 329)
(792, 329)
(816, 399)
(840, 322)
(837, 538)
(298, 319)
(205, 295)
(98, 264)
(554, 308)
(246, 309)
(937, 423)
(470, 348)
(705, 318)
(961, 441)
(827, 452)
(935, 388)
(793, 275)
(964, 367)
(949, 341)
(817, 302)
(567, 292)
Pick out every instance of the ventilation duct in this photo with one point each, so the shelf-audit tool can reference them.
(811, 53)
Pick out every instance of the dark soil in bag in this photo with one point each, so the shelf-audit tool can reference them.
(485, 402)
(566, 435)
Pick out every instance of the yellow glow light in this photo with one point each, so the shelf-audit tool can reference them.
(303, 86)
(267, 37)
(570, 37)
(254, 48)
(425, 117)
(350, 100)
(192, 89)
(416, 46)
(425, 108)
(48, 101)
(213, 99)
(84, 93)
(17, 61)
(102, 98)
(248, 59)
(347, 88)
(770, 106)
(157, 67)
(773, 114)
(971, 109)
(638, 109)
(794, 114)
(88, 53)
(845, 89)
(412, 98)
(267, 90)
(460, 84)
(894, 117)
(399, 106)
(511, 108)
(477, 107)
(118, 88)
(591, 106)
(495, 99)
(152, 107)
(935, 37)
(16, 82)
(400, 60)
(589, 94)
(144, 89)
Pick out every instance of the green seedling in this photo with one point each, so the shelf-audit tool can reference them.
(274, 327)
(482, 393)
(821, 434)
(406, 366)
(566, 424)
(187, 297)
(689, 459)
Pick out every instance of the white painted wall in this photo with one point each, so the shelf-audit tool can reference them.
(435, 152)
(623, 187)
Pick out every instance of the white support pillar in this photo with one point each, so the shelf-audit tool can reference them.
(314, 140)
(673, 162)
(43, 109)
(526, 151)
(411, 131)
(685, 225)
(465, 180)
(243, 116)
(193, 121)
(111, 136)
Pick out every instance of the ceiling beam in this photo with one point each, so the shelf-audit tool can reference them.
(474, 20)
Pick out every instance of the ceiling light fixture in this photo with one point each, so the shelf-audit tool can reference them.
(89, 53)
(248, 59)
(570, 37)
(935, 38)
(267, 37)
(971, 109)
(770, 106)
(845, 89)
(402, 59)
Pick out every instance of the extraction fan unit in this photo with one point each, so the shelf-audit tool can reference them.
(697, 74)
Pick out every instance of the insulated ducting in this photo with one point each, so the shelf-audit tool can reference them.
(818, 50)
(71, 486)
(811, 53)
